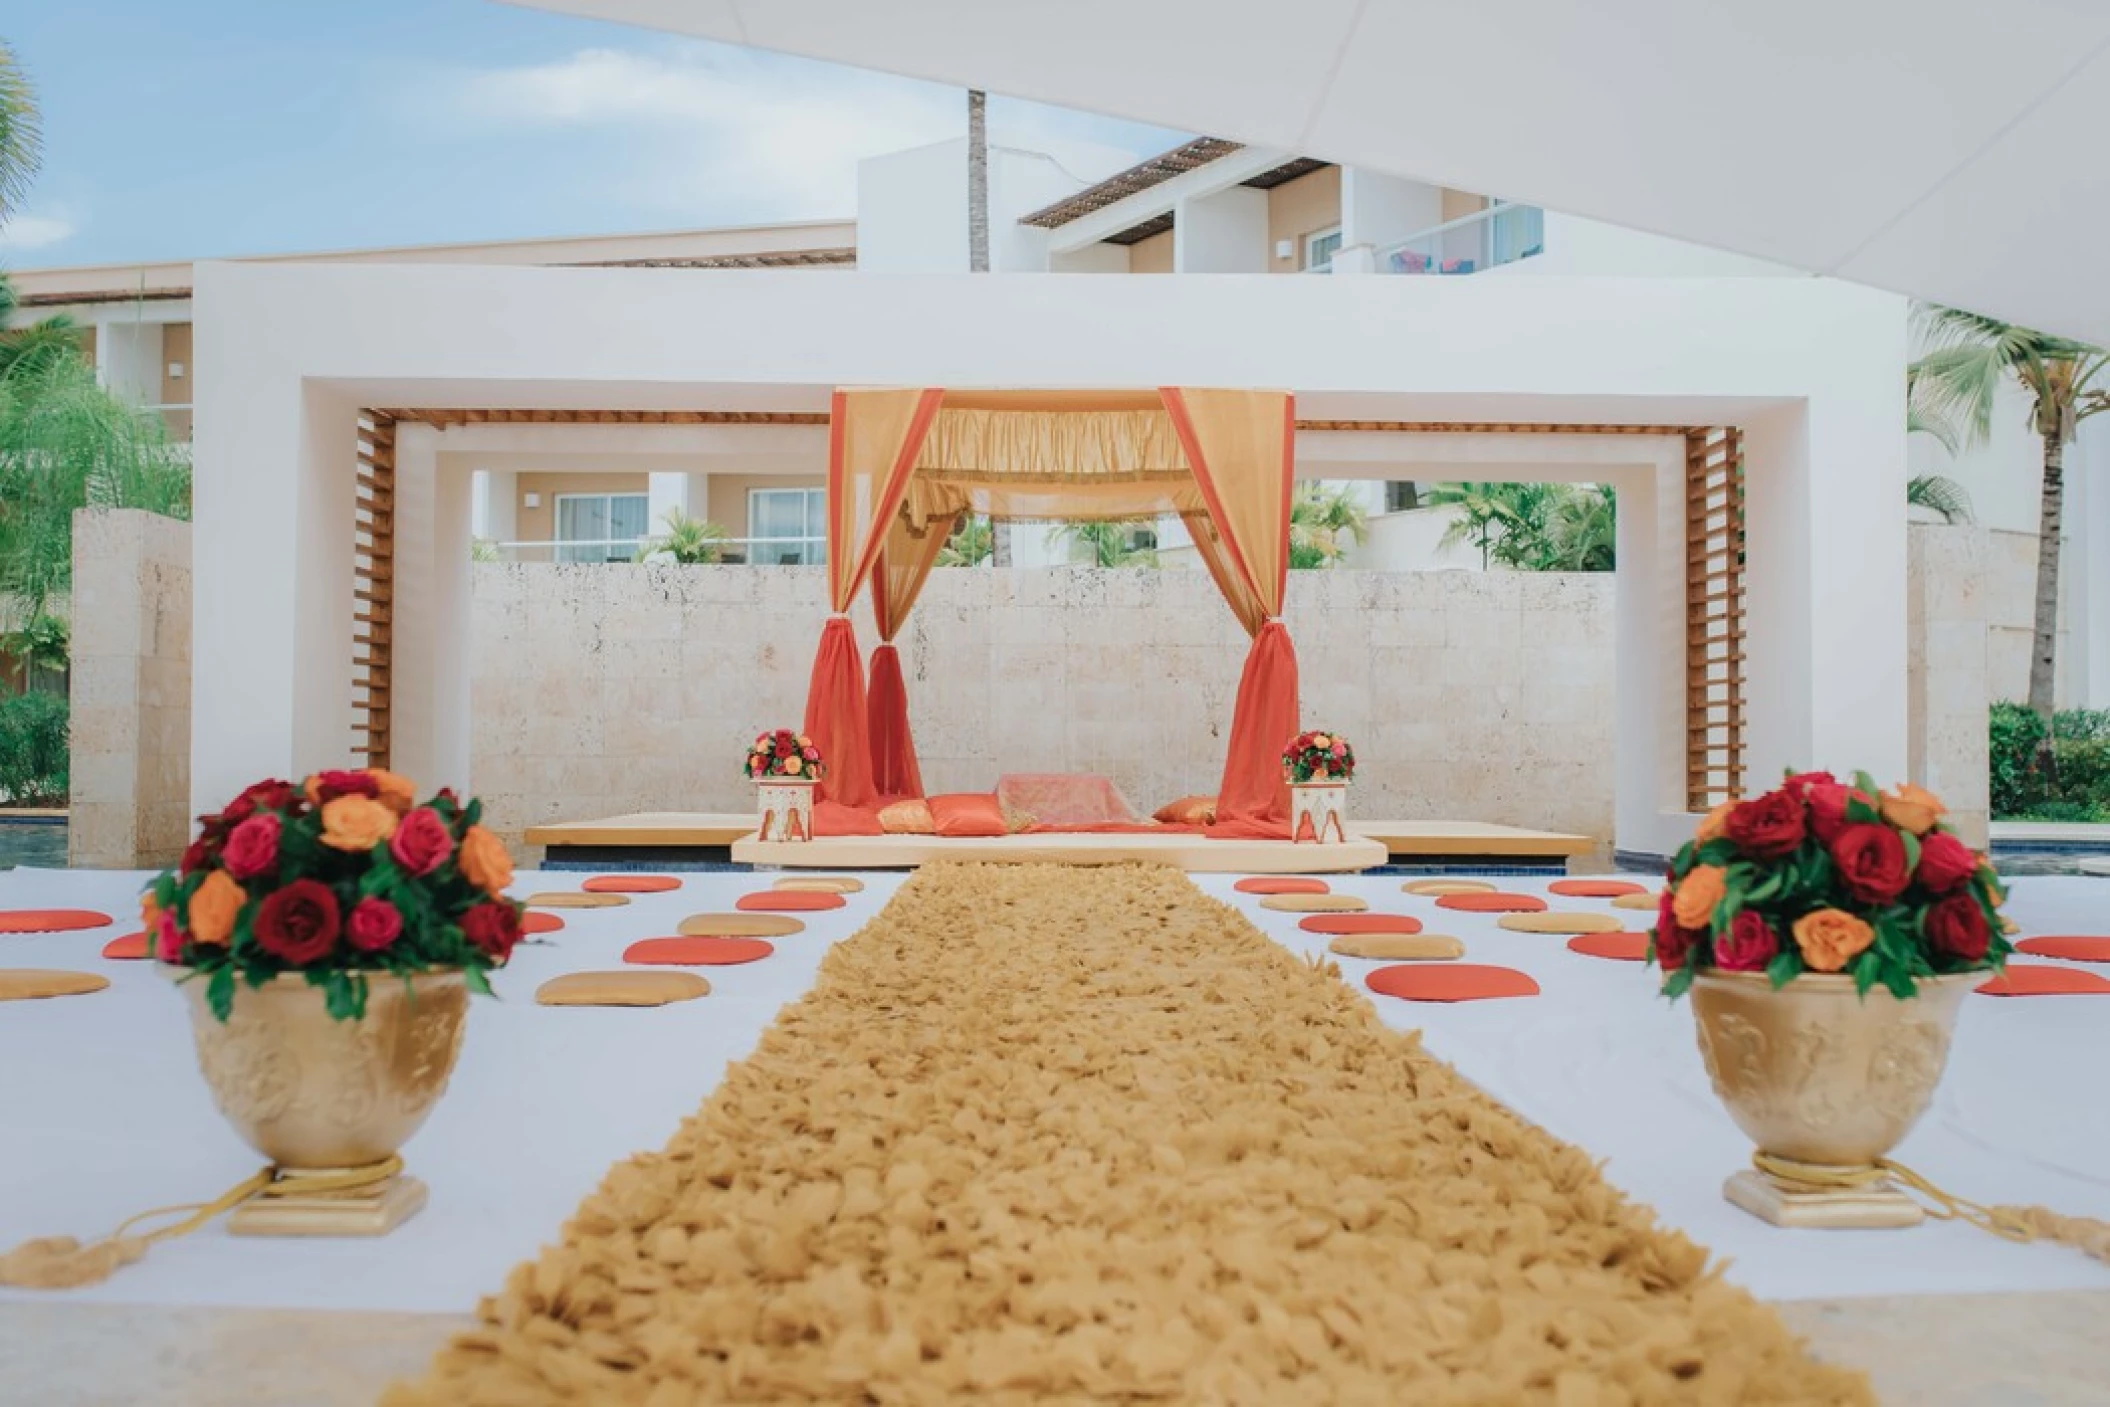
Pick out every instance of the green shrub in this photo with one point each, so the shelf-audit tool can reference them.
(2081, 725)
(2016, 734)
(2066, 813)
(33, 749)
(2084, 770)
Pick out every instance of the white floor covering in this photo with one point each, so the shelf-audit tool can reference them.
(102, 1112)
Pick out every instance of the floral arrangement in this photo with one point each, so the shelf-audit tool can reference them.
(1318, 757)
(343, 877)
(785, 754)
(1819, 876)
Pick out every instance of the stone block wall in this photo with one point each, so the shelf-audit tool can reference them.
(131, 689)
(1958, 579)
(600, 690)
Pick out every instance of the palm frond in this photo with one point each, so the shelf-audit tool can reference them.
(1939, 494)
(1958, 387)
(21, 133)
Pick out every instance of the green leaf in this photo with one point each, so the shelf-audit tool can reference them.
(1785, 967)
(1900, 982)
(480, 984)
(1860, 812)
(1912, 851)
(1719, 851)
(1767, 888)
(1867, 783)
(1866, 967)
(219, 992)
(1675, 985)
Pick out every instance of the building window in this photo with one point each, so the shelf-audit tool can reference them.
(1402, 496)
(787, 527)
(601, 527)
(1319, 250)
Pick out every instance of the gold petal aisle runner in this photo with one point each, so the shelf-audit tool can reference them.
(1065, 1133)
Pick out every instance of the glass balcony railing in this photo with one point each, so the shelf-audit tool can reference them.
(1486, 239)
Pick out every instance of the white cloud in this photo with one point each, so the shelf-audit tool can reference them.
(20, 234)
(751, 136)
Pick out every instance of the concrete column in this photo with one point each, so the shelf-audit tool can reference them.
(1224, 232)
(128, 360)
(412, 643)
(2085, 570)
(1649, 815)
(667, 493)
(1826, 585)
(1379, 210)
(498, 500)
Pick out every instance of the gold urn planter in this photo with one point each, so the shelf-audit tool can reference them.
(1825, 1082)
(319, 1095)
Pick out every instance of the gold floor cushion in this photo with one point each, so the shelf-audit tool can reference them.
(1315, 903)
(739, 926)
(569, 899)
(27, 983)
(621, 989)
(1446, 886)
(822, 883)
(1637, 901)
(1569, 924)
(1422, 947)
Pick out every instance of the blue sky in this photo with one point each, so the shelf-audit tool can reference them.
(260, 126)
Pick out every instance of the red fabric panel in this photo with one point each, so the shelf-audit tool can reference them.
(836, 717)
(968, 814)
(1253, 802)
(834, 818)
(895, 774)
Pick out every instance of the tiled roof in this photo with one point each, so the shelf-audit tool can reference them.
(1157, 170)
(787, 259)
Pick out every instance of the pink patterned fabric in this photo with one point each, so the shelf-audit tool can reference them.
(1065, 799)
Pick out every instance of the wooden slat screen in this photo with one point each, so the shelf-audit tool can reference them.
(1714, 616)
(374, 581)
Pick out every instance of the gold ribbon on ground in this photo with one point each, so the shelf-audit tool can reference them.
(63, 1263)
(2013, 1223)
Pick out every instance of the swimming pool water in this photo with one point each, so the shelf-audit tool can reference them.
(39, 843)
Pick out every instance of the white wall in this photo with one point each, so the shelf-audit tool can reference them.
(1578, 246)
(1377, 210)
(288, 352)
(912, 208)
(1224, 232)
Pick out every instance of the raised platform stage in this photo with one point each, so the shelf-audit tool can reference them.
(669, 837)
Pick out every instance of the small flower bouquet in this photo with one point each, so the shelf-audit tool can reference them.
(785, 756)
(340, 879)
(1818, 876)
(1318, 757)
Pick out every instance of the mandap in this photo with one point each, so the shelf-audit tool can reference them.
(905, 465)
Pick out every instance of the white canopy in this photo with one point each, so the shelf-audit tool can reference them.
(1948, 149)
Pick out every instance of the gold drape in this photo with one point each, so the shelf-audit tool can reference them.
(875, 437)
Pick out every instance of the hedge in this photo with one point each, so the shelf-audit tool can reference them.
(33, 749)
(2080, 752)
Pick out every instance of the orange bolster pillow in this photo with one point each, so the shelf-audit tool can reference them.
(968, 814)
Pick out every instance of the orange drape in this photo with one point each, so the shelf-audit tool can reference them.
(1241, 447)
(873, 440)
(904, 566)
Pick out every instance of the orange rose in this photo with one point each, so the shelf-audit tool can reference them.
(398, 794)
(1912, 808)
(213, 908)
(356, 823)
(1712, 824)
(484, 860)
(1697, 894)
(1831, 938)
(149, 911)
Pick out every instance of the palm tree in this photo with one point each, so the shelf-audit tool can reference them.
(1955, 385)
(1582, 533)
(1937, 493)
(21, 134)
(978, 250)
(690, 541)
(970, 545)
(1111, 544)
(1319, 517)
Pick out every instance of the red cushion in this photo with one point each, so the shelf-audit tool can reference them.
(631, 884)
(968, 813)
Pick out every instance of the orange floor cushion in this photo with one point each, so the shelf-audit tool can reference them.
(51, 920)
(698, 952)
(531, 924)
(787, 901)
(1451, 982)
(1281, 884)
(1595, 888)
(2072, 949)
(911, 817)
(2030, 979)
(968, 813)
(1621, 947)
(132, 945)
(631, 884)
(1361, 923)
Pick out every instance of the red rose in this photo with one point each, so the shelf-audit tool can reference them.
(1945, 862)
(196, 856)
(263, 796)
(252, 848)
(299, 923)
(1871, 862)
(422, 842)
(1770, 828)
(1828, 809)
(1957, 926)
(1748, 946)
(1673, 942)
(493, 927)
(168, 939)
(374, 924)
(1801, 782)
(327, 786)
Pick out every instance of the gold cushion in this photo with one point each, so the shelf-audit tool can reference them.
(1315, 903)
(26, 983)
(1446, 886)
(1637, 901)
(1559, 923)
(740, 926)
(568, 899)
(907, 818)
(822, 883)
(621, 989)
(1424, 947)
